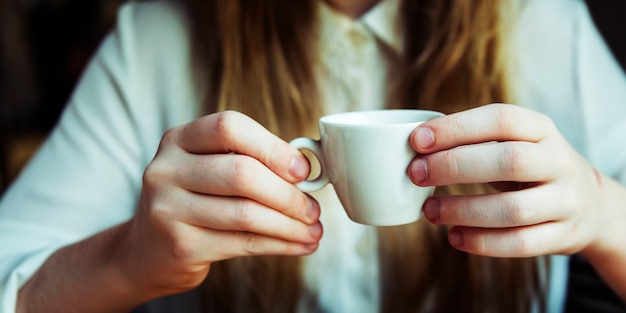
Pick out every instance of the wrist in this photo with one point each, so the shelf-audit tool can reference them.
(124, 267)
(90, 275)
(606, 251)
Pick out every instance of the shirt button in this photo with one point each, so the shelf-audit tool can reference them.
(357, 38)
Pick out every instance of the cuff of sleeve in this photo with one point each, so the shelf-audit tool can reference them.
(16, 270)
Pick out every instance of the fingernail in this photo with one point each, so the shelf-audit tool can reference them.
(315, 230)
(313, 209)
(456, 237)
(432, 209)
(299, 167)
(311, 247)
(419, 172)
(424, 137)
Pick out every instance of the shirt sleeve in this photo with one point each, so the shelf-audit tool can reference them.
(602, 87)
(87, 175)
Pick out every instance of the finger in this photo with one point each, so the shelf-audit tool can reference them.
(243, 176)
(221, 245)
(527, 241)
(501, 210)
(495, 122)
(240, 214)
(483, 163)
(204, 244)
(233, 132)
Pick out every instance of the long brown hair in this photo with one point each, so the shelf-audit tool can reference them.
(258, 57)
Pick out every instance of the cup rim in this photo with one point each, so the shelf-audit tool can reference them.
(339, 119)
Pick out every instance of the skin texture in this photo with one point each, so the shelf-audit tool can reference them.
(202, 201)
(552, 201)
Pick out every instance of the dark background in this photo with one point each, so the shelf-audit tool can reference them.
(44, 46)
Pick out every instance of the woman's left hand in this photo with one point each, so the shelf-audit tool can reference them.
(551, 199)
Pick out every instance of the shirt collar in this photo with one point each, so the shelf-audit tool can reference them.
(379, 20)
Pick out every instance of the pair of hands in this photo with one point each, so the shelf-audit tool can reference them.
(223, 186)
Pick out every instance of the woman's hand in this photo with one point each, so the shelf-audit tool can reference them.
(556, 204)
(218, 188)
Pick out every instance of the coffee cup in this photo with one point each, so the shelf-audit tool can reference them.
(365, 156)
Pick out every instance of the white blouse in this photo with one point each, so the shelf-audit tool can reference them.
(87, 176)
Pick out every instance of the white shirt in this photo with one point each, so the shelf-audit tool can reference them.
(87, 176)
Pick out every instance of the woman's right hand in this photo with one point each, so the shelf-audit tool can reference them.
(219, 187)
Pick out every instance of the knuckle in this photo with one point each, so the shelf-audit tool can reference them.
(243, 172)
(243, 215)
(160, 214)
(455, 124)
(302, 202)
(169, 139)
(504, 118)
(168, 136)
(252, 244)
(296, 208)
(515, 214)
(226, 123)
(277, 153)
(522, 247)
(515, 160)
(159, 170)
(459, 211)
(180, 249)
(154, 174)
(453, 166)
(482, 245)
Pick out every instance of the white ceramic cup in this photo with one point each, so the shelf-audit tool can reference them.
(365, 155)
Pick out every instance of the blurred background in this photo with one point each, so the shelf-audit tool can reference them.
(44, 46)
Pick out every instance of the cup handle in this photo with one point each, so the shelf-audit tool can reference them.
(315, 147)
